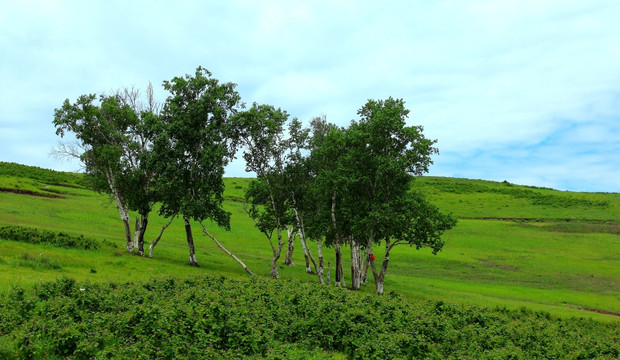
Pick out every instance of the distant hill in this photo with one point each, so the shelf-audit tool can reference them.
(50, 177)
(481, 199)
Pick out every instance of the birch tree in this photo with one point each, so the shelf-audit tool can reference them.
(261, 130)
(299, 180)
(414, 222)
(384, 156)
(194, 141)
(115, 145)
(327, 147)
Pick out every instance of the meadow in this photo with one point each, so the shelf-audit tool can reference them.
(516, 248)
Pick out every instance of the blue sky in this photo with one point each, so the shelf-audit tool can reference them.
(523, 91)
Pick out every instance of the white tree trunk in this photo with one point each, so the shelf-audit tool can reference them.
(366, 261)
(305, 251)
(329, 273)
(379, 287)
(288, 259)
(154, 243)
(275, 273)
(304, 244)
(204, 229)
(144, 220)
(121, 207)
(136, 232)
(356, 265)
(379, 277)
(319, 249)
(125, 218)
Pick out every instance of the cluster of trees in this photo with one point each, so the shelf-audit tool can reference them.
(330, 185)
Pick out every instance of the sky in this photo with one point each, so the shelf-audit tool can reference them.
(523, 91)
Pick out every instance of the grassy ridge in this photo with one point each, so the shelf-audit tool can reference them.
(488, 199)
(539, 260)
(42, 175)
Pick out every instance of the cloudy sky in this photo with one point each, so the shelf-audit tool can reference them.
(524, 91)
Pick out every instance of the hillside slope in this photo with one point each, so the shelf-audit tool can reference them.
(514, 246)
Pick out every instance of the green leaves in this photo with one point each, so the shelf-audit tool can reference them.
(194, 140)
(223, 318)
(261, 133)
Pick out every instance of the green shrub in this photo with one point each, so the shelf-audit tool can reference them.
(38, 262)
(215, 317)
(36, 236)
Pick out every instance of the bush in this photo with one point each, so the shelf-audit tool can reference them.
(215, 317)
(36, 236)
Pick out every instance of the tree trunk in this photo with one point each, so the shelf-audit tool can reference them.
(204, 229)
(136, 232)
(365, 270)
(304, 244)
(288, 259)
(144, 221)
(275, 273)
(356, 265)
(342, 282)
(379, 277)
(122, 209)
(366, 261)
(379, 287)
(190, 242)
(339, 278)
(305, 249)
(329, 273)
(125, 218)
(154, 243)
(311, 257)
(319, 247)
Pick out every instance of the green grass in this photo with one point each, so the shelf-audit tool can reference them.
(488, 199)
(535, 259)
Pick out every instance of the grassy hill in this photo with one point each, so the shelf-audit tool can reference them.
(519, 257)
(514, 246)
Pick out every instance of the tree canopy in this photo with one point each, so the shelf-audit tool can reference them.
(336, 186)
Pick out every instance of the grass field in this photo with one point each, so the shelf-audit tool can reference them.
(513, 247)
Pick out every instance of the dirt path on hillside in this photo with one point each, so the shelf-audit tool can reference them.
(606, 312)
(556, 220)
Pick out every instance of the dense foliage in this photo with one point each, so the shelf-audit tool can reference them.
(36, 236)
(218, 317)
(113, 143)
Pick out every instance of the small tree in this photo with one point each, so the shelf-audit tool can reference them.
(415, 222)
